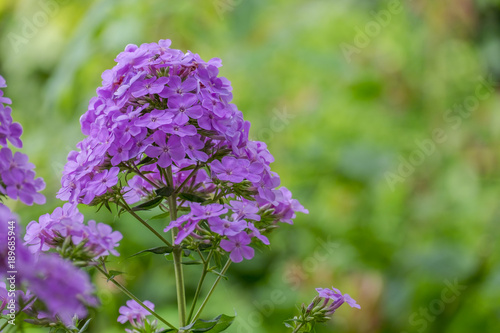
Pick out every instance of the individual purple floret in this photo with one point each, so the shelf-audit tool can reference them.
(238, 247)
(101, 239)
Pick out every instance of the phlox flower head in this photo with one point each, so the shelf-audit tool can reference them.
(164, 118)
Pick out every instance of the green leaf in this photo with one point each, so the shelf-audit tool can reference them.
(148, 204)
(189, 167)
(165, 191)
(155, 250)
(160, 216)
(85, 326)
(191, 197)
(146, 160)
(113, 274)
(219, 324)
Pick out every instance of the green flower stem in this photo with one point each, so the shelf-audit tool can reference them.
(177, 255)
(178, 189)
(206, 263)
(131, 212)
(205, 301)
(298, 328)
(132, 296)
(134, 168)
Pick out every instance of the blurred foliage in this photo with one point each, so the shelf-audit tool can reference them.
(349, 122)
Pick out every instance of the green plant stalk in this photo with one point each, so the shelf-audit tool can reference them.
(205, 301)
(132, 296)
(177, 255)
(187, 179)
(140, 174)
(298, 328)
(206, 263)
(156, 233)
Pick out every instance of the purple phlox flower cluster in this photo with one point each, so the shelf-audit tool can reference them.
(64, 289)
(135, 314)
(50, 231)
(164, 109)
(337, 299)
(17, 178)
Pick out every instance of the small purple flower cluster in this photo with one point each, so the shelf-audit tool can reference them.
(65, 290)
(165, 117)
(51, 231)
(136, 315)
(337, 299)
(17, 175)
(320, 309)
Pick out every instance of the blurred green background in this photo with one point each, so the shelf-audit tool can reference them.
(385, 131)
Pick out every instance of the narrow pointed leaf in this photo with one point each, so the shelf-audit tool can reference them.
(148, 204)
(113, 274)
(164, 191)
(191, 197)
(155, 250)
(160, 216)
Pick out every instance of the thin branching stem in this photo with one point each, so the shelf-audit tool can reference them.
(125, 206)
(132, 296)
(206, 264)
(205, 301)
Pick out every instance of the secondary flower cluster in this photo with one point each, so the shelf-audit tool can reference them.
(64, 290)
(61, 290)
(17, 175)
(163, 122)
(136, 315)
(320, 309)
(337, 299)
(64, 230)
